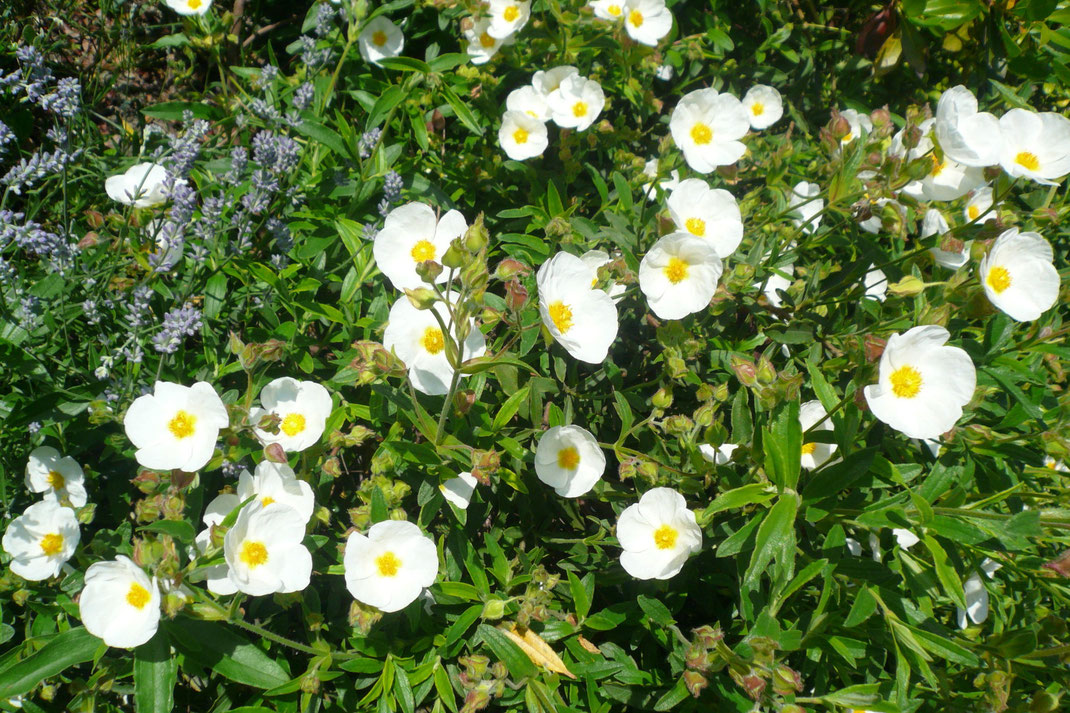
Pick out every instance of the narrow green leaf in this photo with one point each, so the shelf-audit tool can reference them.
(178, 529)
(509, 408)
(328, 137)
(775, 541)
(783, 447)
(518, 663)
(61, 652)
(214, 644)
(462, 111)
(581, 595)
(155, 675)
(947, 575)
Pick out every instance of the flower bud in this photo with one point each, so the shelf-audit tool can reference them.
(907, 287)
(476, 238)
(493, 609)
(428, 271)
(766, 373)
(679, 424)
(463, 400)
(455, 255)
(744, 370)
(648, 469)
(662, 398)
(510, 268)
(274, 453)
(786, 680)
(516, 295)
(695, 682)
(421, 298)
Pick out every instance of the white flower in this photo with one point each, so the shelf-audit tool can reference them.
(217, 577)
(965, 135)
(976, 595)
(417, 339)
(264, 551)
(978, 205)
(581, 319)
(521, 136)
(657, 534)
(647, 21)
(412, 234)
(710, 213)
(947, 180)
(141, 186)
(302, 408)
(576, 103)
(1019, 276)
(1056, 465)
(170, 246)
(934, 223)
(923, 384)
(650, 170)
(720, 455)
(664, 72)
(777, 282)
(569, 460)
(530, 101)
(806, 206)
(176, 426)
(875, 222)
(860, 125)
(876, 284)
(679, 275)
(905, 538)
(56, 476)
(274, 483)
(189, 7)
(764, 106)
(707, 127)
(380, 39)
(507, 17)
(548, 82)
(459, 490)
(608, 9)
(481, 46)
(815, 455)
(595, 259)
(1036, 146)
(391, 566)
(41, 539)
(119, 603)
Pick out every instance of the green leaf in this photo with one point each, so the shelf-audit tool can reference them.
(582, 593)
(328, 137)
(783, 447)
(155, 675)
(178, 529)
(215, 645)
(518, 663)
(173, 111)
(460, 627)
(863, 607)
(673, 697)
(737, 498)
(215, 291)
(947, 575)
(379, 509)
(655, 610)
(775, 542)
(444, 689)
(61, 652)
(462, 111)
(509, 408)
(405, 64)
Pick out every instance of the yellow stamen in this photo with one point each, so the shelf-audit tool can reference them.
(636, 18)
(665, 537)
(1027, 160)
(423, 251)
(520, 136)
(52, 544)
(676, 270)
(194, 4)
(757, 108)
(809, 448)
(972, 212)
(182, 425)
(568, 458)
(701, 134)
(614, 10)
(388, 564)
(293, 424)
(379, 38)
(998, 279)
(511, 13)
(253, 554)
(696, 226)
(138, 597)
(847, 139)
(432, 340)
(938, 166)
(56, 480)
(267, 501)
(486, 40)
(906, 382)
(561, 316)
(579, 109)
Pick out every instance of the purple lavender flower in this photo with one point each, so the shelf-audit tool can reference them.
(138, 312)
(66, 100)
(368, 140)
(184, 321)
(304, 94)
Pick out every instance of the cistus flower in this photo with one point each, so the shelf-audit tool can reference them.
(380, 39)
(876, 283)
(679, 275)
(547, 82)
(720, 455)
(56, 476)
(657, 534)
(946, 180)
(1035, 146)
(568, 459)
(264, 550)
(459, 490)
(923, 384)
(481, 45)
(976, 595)
(416, 337)
(529, 100)
(411, 235)
(272, 483)
(507, 17)
(189, 7)
(650, 170)
(1019, 275)
(582, 320)
(860, 124)
(965, 135)
(141, 186)
(978, 204)
(707, 127)
(646, 21)
(576, 102)
(806, 206)
(608, 9)
(764, 106)
(302, 408)
(934, 223)
(176, 426)
(710, 213)
(41, 539)
(814, 454)
(594, 259)
(390, 566)
(521, 136)
(119, 603)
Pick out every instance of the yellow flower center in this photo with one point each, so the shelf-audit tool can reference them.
(561, 316)
(676, 270)
(809, 448)
(938, 166)
(193, 4)
(998, 279)
(137, 596)
(388, 564)
(665, 537)
(520, 136)
(579, 109)
(568, 458)
(701, 134)
(267, 501)
(182, 425)
(379, 38)
(423, 251)
(972, 212)
(614, 10)
(56, 480)
(432, 340)
(906, 382)
(636, 18)
(253, 554)
(757, 108)
(293, 424)
(1027, 160)
(696, 226)
(848, 139)
(51, 544)
(486, 40)
(511, 13)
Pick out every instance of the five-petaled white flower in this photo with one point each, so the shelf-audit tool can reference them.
(860, 125)
(947, 179)
(650, 170)
(583, 320)
(264, 550)
(1036, 146)
(548, 82)
(529, 100)
(814, 454)
(679, 275)
(923, 384)
(646, 21)
(119, 603)
(507, 17)
(876, 283)
(521, 136)
(459, 490)
(576, 102)
(56, 476)
(380, 39)
(189, 7)
(976, 595)
(176, 426)
(41, 539)
(1019, 276)
(806, 206)
(707, 127)
(417, 339)
(302, 408)
(657, 534)
(141, 186)
(710, 213)
(569, 460)
(271, 483)
(965, 135)
(934, 223)
(763, 105)
(721, 455)
(608, 9)
(411, 235)
(481, 46)
(390, 566)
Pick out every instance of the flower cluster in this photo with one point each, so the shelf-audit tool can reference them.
(560, 94)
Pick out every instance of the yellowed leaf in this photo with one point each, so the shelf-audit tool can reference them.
(587, 645)
(537, 650)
